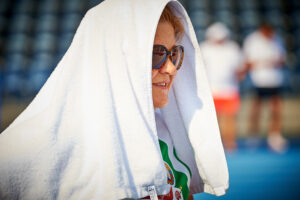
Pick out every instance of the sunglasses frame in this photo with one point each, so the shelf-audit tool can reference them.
(169, 54)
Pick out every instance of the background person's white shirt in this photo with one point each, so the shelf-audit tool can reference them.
(265, 55)
(222, 62)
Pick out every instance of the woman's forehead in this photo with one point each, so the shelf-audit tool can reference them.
(165, 35)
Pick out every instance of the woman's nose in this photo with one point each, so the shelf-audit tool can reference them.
(168, 67)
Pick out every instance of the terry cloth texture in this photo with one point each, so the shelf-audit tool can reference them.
(90, 132)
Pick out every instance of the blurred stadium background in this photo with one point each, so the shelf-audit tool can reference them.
(35, 34)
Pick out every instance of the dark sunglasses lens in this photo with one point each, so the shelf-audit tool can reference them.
(177, 54)
(158, 56)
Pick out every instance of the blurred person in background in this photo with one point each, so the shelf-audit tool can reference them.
(223, 61)
(264, 58)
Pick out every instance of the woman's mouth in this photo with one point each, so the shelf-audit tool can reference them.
(162, 85)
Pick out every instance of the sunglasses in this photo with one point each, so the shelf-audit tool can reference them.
(161, 53)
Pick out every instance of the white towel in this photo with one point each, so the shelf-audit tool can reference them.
(90, 132)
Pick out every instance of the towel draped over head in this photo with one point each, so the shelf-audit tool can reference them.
(90, 132)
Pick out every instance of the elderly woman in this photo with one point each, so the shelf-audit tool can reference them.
(105, 127)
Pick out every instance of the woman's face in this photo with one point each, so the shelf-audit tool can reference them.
(165, 36)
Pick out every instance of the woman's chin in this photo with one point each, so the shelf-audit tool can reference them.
(160, 104)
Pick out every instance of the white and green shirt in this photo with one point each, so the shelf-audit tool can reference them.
(179, 174)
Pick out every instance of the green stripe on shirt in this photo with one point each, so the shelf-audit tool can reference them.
(181, 179)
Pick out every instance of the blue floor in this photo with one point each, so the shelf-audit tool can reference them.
(262, 174)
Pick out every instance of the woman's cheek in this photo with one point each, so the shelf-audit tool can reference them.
(154, 72)
(172, 80)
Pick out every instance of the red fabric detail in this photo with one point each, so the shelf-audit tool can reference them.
(228, 106)
(168, 196)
